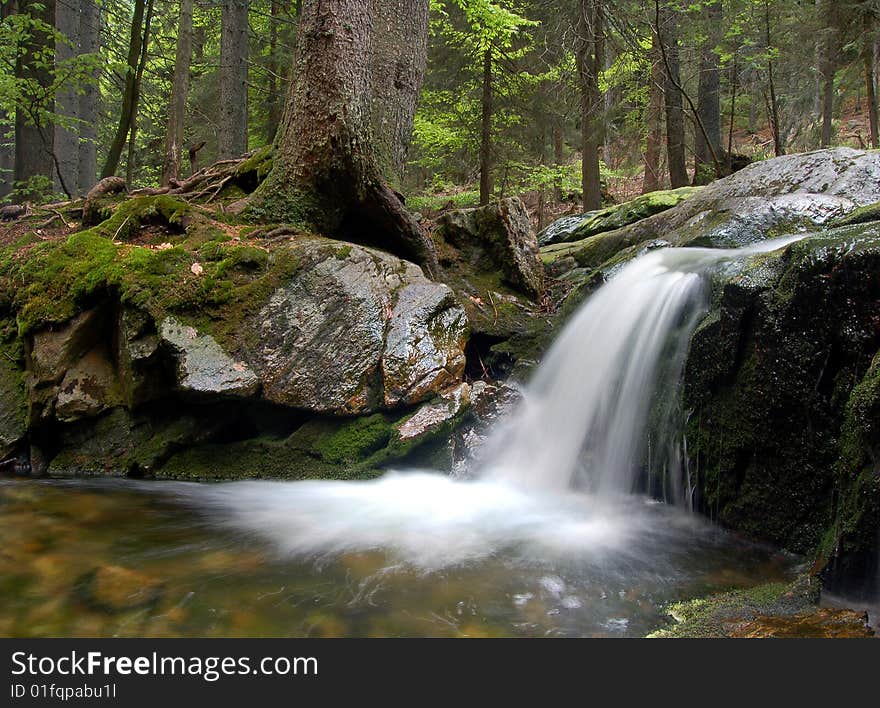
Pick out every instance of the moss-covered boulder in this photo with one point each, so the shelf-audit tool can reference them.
(770, 198)
(575, 228)
(492, 238)
(780, 387)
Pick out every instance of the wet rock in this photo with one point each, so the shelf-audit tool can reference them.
(356, 330)
(138, 358)
(114, 589)
(822, 623)
(431, 416)
(574, 228)
(424, 348)
(203, 368)
(88, 388)
(770, 198)
(497, 236)
(53, 351)
(13, 407)
(780, 387)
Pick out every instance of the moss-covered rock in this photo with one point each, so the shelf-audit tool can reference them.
(773, 383)
(614, 216)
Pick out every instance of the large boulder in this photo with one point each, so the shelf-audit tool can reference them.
(784, 396)
(493, 237)
(575, 228)
(783, 195)
(355, 330)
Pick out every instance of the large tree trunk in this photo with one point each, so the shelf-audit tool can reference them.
(486, 131)
(590, 53)
(654, 119)
(142, 63)
(772, 103)
(129, 95)
(87, 160)
(233, 138)
(668, 30)
(399, 59)
(326, 174)
(34, 134)
(273, 98)
(67, 21)
(828, 68)
(179, 92)
(709, 97)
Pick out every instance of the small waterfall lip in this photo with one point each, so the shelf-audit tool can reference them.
(584, 416)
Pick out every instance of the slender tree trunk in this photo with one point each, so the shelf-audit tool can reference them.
(734, 84)
(87, 160)
(654, 120)
(179, 93)
(668, 29)
(233, 138)
(142, 62)
(590, 57)
(867, 50)
(34, 134)
(486, 131)
(773, 104)
(131, 89)
(709, 95)
(273, 100)
(67, 21)
(326, 175)
(7, 144)
(400, 56)
(558, 154)
(828, 68)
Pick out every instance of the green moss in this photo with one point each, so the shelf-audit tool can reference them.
(861, 215)
(713, 616)
(257, 165)
(355, 440)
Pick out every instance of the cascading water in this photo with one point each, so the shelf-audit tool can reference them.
(554, 479)
(585, 415)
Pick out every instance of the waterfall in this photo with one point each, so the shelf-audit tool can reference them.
(585, 415)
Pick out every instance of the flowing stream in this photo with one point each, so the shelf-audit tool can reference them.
(546, 538)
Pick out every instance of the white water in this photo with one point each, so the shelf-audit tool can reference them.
(583, 419)
(585, 413)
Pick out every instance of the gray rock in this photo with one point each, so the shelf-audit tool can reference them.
(432, 416)
(320, 341)
(424, 348)
(13, 407)
(497, 236)
(138, 346)
(784, 195)
(52, 351)
(88, 388)
(202, 365)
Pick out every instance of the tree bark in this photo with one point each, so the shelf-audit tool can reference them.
(34, 134)
(179, 93)
(7, 144)
(130, 91)
(89, 98)
(654, 120)
(486, 131)
(590, 56)
(867, 51)
(233, 138)
(667, 28)
(828, 68)
(326, 175)
(142, 63)
(709, 95)
(67, 21)
(399, 59)
(773, 104)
